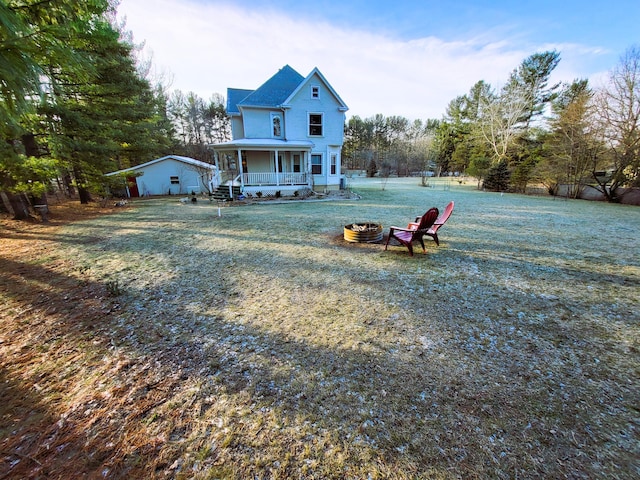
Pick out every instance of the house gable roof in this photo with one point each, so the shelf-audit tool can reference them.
(188, 160)
(342, 106)
(274, 91)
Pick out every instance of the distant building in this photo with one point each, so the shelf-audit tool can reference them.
(170, 175)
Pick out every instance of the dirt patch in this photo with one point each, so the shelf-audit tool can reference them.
(339, 241)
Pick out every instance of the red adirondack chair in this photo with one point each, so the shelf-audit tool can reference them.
(414, 231)
(440, 221)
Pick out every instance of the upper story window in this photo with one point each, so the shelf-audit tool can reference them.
(315, 124)
(276, 125)
(315, 91)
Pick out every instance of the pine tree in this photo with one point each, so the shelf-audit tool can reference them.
(498, 177)
(108, 121)
(34, 40)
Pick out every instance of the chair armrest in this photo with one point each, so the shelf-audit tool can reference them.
(402, 229)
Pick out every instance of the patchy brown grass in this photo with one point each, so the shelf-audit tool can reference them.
(58, 420)
(167, 342)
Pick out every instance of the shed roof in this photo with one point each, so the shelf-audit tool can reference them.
(188, 160)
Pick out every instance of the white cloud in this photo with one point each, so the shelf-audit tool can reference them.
(208, 48)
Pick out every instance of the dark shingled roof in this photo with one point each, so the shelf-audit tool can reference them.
(274, 91)
(235, 96)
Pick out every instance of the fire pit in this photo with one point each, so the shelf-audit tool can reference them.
(363, 232)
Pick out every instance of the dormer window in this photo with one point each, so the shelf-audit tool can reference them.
(315, 91)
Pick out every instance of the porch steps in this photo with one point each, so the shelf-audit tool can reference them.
(222, 192)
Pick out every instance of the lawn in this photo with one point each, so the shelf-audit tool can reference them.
(165, 341)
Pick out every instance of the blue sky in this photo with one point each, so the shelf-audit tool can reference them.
(395, 57)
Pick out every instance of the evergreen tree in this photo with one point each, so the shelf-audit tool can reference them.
(570, 147)
(498, 177)
(107, 122)
(530, 83)
(479, 166)
(34, 42)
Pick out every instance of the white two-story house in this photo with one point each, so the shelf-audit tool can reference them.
(286, 136)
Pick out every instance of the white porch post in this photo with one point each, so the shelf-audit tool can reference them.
(240, 168)
(215, 160)
(217, 177)
(277, 171)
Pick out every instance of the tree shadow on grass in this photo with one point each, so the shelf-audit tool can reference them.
(359, 400)
(35, 436)
(199, 381)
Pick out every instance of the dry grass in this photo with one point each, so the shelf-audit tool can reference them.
(167, 342)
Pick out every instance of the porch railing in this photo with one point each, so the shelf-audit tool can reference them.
(275, 179)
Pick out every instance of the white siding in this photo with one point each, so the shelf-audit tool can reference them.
(257, 123)
(156, 178)
(237, 129)
(259, 162)
(303, 104)
(297, 121)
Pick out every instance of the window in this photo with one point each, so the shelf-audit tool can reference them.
(334, 163)
(316, 164)
(315, 124)
(315, 91)
(276, 125)
(175, 180)
(296, 163)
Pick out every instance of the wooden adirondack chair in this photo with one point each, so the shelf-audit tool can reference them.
(440, 221)
(414, 231)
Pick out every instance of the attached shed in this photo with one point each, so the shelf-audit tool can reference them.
(170, 175)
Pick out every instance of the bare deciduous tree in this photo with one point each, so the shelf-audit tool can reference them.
(198, 122)
(500, 123)
(618, 111)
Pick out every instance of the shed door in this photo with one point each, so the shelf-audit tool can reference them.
(133, 187)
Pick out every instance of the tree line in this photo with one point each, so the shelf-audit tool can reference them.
(76, 103)
(389, 145)
(563, 135)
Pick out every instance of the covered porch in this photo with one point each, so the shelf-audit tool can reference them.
(266, 166)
